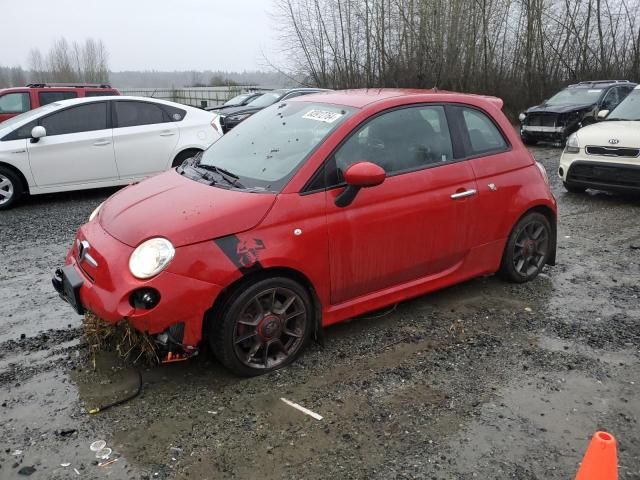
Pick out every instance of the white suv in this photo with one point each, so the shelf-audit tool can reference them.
(606, 155)
(97, 142)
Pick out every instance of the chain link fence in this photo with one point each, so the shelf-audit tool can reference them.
(195, 96)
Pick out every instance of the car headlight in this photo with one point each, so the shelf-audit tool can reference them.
(95, 213)
(572, 144)
(238, 118)
(151, 257)
(522, 116)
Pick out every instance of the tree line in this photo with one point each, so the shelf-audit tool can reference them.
(64, 62)
(520, 50)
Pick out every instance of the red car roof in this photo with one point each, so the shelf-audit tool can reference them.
(362, 97)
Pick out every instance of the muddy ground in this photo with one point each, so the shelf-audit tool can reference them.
(484, 380)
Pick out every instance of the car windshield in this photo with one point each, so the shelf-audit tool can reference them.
(265, 150)
(26, 116)
(575, 96)
(238, 99)
(629, 109)
(267, 99)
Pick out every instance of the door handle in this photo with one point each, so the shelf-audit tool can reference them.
(166, 133)
(100, 143)
(466, 193)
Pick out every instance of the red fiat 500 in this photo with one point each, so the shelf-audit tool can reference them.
(313, 211)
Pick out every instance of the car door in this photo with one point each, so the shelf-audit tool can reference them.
(144, 138)
(77, 148)
(496, 167)
(414, 224)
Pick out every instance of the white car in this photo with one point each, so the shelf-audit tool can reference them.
(606, 155)
(97, 142)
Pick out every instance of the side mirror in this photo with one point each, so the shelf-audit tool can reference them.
(602, 114)
(359, 175)
(37, 133)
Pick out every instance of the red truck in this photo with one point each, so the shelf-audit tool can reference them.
(17, 100)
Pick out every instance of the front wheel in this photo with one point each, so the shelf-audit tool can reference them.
(11, 188)
(263, 327)
(528, 248)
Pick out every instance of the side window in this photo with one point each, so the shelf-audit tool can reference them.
(131, 114)
(83, 118)
(50, 97)
(22, 132)
(399, 140)
(15, 103)
(610, 100)
(484, 136)
(99, 93)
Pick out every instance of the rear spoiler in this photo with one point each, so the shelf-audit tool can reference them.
(495, 100)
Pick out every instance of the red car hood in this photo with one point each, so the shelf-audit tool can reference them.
(181, 210)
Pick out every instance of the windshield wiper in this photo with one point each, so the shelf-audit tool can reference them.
(226, 175)
(618, 119)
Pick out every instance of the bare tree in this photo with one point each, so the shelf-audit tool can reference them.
(78, 62)
(522, 50)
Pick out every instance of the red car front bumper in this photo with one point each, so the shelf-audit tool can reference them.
(101, 283)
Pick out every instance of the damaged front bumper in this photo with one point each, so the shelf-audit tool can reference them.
(169, 307)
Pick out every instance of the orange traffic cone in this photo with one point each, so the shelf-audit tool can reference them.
(600, 462)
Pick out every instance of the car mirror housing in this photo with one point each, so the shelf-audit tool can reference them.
(359, 175)
(37, 133)
(364, 174)
(602, 114)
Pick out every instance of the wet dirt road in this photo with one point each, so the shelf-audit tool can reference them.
(483, 380)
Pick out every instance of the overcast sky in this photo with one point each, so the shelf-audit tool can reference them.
(146, 34)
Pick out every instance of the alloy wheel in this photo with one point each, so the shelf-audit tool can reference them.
(531, 248)
(270, 328)
(6, 190)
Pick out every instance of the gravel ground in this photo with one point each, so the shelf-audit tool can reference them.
(482, 380)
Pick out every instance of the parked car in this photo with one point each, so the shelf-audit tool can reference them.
(17, 100)
(312, 212)
(237, 101)
(605, 156)
(97, 142)
(572, 108)
(231, 117)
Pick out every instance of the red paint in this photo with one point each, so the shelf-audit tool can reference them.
(400, 239)
(34, 98)
(364, 174)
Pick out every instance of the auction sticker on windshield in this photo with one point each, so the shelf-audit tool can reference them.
(322, 116)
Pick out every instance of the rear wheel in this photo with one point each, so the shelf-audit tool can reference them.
(529, 141)
(263, 327)
(528, 248)
(11, 188)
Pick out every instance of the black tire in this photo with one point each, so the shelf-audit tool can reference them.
(529, 141)
(251, 336)
(11, 187)
(528, 248)
(182, 156)
(573, 188)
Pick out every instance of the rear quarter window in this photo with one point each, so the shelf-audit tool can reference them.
(99, 93)
(175, 114)
(46, 98)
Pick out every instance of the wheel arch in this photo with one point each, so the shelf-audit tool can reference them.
(270, 272)
(553, 221)
(194, 150)
(18, 172)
